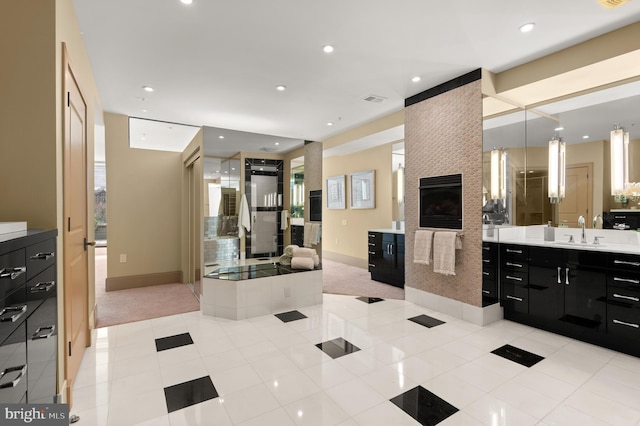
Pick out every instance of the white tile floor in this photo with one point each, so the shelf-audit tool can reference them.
(270, 373)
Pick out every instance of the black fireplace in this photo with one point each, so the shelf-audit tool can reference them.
(441, 202)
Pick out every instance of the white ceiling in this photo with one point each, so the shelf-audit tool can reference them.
(216, 63)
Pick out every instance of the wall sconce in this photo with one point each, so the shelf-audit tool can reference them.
(498, 174)
(619, 160)
(557, 169)
(400, 187)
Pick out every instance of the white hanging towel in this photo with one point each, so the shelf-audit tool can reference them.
(244, 218)
(444, 253)
(422, 247)
(306, 242)
(316, 234)
(284, 219)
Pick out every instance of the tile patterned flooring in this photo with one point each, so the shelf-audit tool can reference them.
(263, 371)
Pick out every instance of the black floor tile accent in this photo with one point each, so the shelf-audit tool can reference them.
(370, 299)
(337, 347)
(164, 343)
(189, 393)
(426, 321)
(290, 316)
(424, 406)
(518, 355)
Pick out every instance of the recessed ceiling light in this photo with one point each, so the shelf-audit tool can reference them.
(281, 88)
(147, 88)
(277, 143)
(220, 137)
(186, 1)
(144, 110)
(233, 168)
(416, 79)
(217, 171)
(261, 168)
(328, 48)
(557, 129)
(585, 137)
(527, 27)
(330, 124)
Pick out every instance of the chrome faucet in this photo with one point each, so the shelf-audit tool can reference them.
(595, 220)
(583, 237)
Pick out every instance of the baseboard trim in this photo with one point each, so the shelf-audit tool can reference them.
(470, 313)
(347, 260)
(145, 280)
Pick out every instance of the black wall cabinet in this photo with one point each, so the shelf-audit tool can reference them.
(386, 257)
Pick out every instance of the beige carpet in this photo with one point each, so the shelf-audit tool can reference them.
(339, 278)
(137, 304)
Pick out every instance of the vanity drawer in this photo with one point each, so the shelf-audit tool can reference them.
(40, 256)
(624, 262)
(624, 297)
(489, 251)
(489, 272)
(515, 297)
(514, 252)
(514, 277)
(624, 280)
(624, 322)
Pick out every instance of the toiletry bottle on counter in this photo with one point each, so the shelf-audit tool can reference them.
(549, 233)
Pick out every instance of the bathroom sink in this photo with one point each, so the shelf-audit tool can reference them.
(578, 245)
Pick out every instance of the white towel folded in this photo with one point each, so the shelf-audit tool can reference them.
(303, 252)
(422, 247)
(302, 263)
(444, 252)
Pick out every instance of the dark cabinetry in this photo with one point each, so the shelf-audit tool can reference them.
(623, 301)
(297, 235)
(567, 291)
(621, 220)
(386, 257)
(514, 278)
(489, 273)
(28, 317)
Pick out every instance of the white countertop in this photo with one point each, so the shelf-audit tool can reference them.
(611, 240)
(388, 231)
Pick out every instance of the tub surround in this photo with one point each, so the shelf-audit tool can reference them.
(248, 291)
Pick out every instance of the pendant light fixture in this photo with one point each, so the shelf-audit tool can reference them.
(619, 160)
(498, 174)
(557, 170)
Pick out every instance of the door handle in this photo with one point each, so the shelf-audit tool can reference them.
(566, 278)
(559, 274)
(88, 243)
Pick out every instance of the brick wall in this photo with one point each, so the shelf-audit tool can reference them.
(443, 135)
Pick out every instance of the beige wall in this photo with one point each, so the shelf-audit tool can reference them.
(344, 232)
(443, 135)
(31, 116)
(144, 207)
(193, 155)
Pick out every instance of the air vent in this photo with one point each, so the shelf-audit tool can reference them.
(610, 4)
(375, 98)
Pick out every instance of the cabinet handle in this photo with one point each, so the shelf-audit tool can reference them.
(44, 286)
(486, 291)
(485, 273)
(486, 260)
(514, 251)
(517, 265)
(628, 324)
(39, 335)
(619, 217)
(486, 248)
(12, 384)
(624, 262)
(17, 312)
(372, 252)
(12, 272)
(622, 296)
(566, 277)
(626, 280)
(559, 274)
(372, 244)
(42, 256)
(514, 298)
(372, 265)
(513, 278)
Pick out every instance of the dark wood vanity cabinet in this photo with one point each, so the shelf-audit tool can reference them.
(386, 257)
(514, 278)
(589, 295)
(567, 291)
(623, 301)
(490, 258)
(28, 317)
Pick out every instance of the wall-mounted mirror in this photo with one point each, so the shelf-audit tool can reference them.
(397, 188)
(583, 124)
